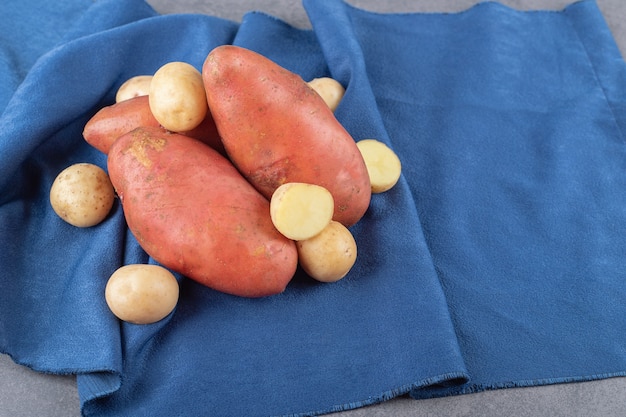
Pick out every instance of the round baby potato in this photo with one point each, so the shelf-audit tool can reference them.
(136, 86)
(141, 294)
(177, 97)
(300, 210)
(329, 89)
(383, 165)
(329, 255)
(82, 195)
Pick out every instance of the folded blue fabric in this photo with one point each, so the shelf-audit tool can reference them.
(27, 32)
(510, 125)
(31, 28)
(497, 261)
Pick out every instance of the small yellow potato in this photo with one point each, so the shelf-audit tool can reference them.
(136, 86)
(329, 89)
(82, 195)
(383, 165)
(177, 97)
(300, 210)
(329, 255)
(141, 293)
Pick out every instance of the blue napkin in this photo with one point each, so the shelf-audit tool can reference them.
(510, 125)
(497, 261)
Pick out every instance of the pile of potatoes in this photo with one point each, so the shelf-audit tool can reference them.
(232, 176)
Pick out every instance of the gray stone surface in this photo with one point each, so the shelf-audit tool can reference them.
(27, 393)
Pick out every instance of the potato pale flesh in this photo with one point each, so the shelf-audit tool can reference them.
(329, 89)
(383, 165)
(300, 210)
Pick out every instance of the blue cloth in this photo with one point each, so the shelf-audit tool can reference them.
(497, 261)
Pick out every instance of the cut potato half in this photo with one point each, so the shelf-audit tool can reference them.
(383, 165)
(300, 211)
(329, 89)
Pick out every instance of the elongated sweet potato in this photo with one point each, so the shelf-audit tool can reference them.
(111, 122)
(192, 211)
(277, 129)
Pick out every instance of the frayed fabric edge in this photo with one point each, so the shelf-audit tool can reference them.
(449, 379)
(472, 388)
(449, 385)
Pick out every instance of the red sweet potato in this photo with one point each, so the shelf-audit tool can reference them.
(277, 129)
(193, 212)
(111, 122)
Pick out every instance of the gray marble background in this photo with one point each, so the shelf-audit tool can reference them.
(24, 393)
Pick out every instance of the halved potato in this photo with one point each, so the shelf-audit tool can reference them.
(300, 210)
(383, 165)
(329, 89)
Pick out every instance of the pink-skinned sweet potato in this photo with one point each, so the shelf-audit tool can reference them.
(193, 212)
(112, 121)
(276, 129)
